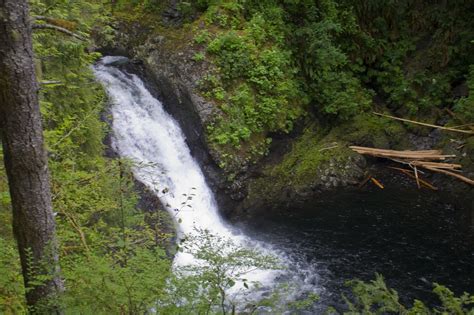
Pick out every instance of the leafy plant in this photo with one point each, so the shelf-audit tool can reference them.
(375, 297)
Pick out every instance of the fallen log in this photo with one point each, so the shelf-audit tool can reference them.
(427, 159)
(397, 151)
(414, 155)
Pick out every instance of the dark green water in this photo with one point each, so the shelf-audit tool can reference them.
(413, 238)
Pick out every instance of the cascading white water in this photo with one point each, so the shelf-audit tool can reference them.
(146, 134)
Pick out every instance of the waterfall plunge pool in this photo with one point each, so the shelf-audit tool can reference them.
(412, 238)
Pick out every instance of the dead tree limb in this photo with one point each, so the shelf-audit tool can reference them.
(47, 26)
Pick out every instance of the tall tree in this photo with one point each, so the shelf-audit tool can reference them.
(25, 157)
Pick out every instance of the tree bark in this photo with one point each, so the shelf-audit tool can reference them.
(25, 158)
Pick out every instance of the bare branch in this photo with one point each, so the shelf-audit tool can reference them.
(59, 29)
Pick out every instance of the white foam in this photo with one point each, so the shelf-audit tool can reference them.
(145, 133)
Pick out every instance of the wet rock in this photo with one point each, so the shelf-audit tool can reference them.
(119, 62)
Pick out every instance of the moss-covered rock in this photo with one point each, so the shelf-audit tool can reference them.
(373, 131)
(315, 163)
(320, 160)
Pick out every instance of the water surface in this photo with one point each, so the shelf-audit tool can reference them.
(413, 238)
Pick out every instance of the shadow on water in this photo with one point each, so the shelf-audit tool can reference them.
(412, 238)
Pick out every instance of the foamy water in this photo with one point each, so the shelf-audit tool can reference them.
(146, 134)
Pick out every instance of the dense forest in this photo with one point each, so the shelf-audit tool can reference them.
(282, 87)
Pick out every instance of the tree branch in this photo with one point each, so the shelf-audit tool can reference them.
(54, 27)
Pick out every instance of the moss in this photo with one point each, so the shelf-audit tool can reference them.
(321, 158)
(311, 157)
(307, 155)
(370, 130)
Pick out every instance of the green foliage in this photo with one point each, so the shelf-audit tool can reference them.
(373, 131)
(331, 79)
(412, 51)
(217, 282)
(102, 233)
(202, 37)
(270, 59)
(199, 57)
(307, 157)
(465, 106)
(11, 282)
(255, 80)
(375, 297)
(122, 282)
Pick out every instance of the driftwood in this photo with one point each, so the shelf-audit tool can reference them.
(414, 155)
(436, 164)
(418, 159)
(470, 132)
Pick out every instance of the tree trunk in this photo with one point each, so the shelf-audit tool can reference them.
(25, 158)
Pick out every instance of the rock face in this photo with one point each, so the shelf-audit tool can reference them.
(308, 166)
(172, 76)
(278, 192)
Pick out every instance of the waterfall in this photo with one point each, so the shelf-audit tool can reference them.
(146, 134)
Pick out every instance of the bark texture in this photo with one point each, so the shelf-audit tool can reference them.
(25, 156)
